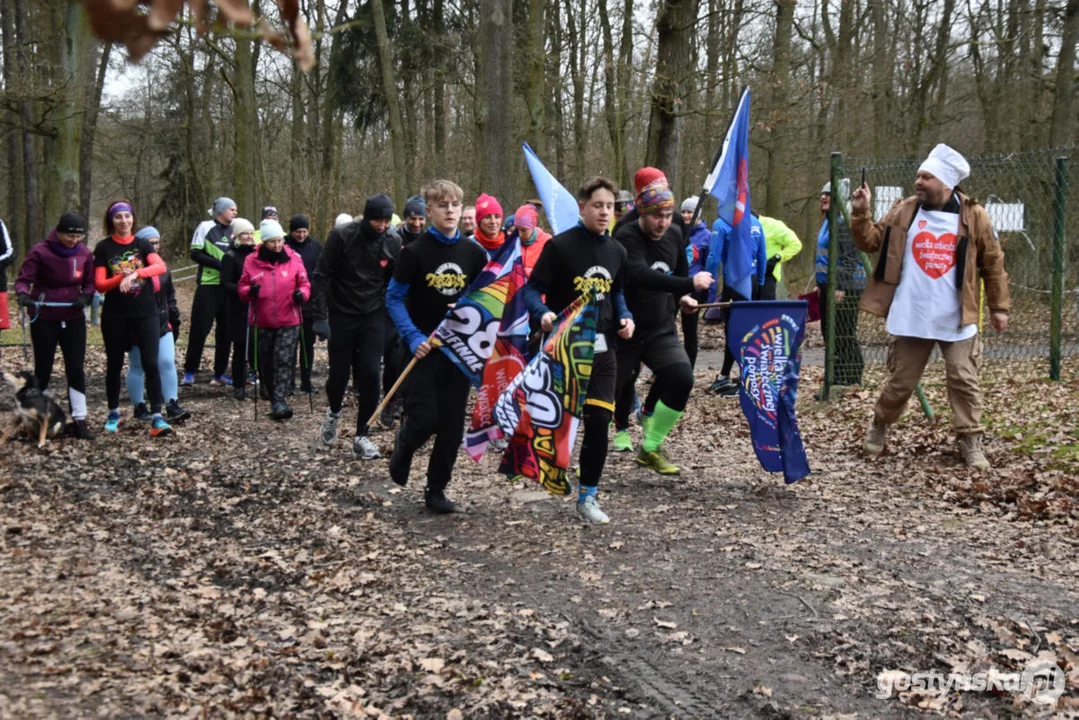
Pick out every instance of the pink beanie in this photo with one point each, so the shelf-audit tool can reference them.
(487, 205)
(526, 216)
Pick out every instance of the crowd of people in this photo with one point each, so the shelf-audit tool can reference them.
(380, 285)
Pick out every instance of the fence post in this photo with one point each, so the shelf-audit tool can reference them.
(833, 251)
(1056, 321)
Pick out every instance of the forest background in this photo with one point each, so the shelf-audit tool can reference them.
(400, 91)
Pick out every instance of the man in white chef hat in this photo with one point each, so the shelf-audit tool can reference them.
(934, 248)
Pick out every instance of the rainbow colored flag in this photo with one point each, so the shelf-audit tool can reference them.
(504, 364)
(469, 331)
(541, 408)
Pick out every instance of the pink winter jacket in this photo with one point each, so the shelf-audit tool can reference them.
(274, 307)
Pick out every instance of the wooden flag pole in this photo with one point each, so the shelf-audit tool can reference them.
(394, 389)
(705, 306)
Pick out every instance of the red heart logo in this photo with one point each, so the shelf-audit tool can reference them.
(922, 224)
(934, 255)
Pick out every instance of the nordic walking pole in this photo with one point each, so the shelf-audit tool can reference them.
(25, 344)
(255, 362)
(303, 356)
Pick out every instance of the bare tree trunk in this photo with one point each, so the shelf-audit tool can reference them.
(29, 158)
(1063, 123)
(576, 71)
(389, 87)
(880, 94)
(440, 82)
(297, 190)
(246, 129)
(779, 123)
(76, 43)
(496, 82)
(534, 79)
(89, 129)
(674, 24)
(14, 202)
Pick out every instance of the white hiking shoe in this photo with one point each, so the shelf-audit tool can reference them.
(364, 449)
(328, 434)
(589, 511)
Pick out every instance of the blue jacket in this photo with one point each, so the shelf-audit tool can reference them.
(697, 250)
(718, 252)
(849, 271)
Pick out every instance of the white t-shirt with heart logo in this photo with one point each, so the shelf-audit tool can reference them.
(927, 303)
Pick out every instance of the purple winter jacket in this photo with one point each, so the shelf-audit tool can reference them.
(61, 279)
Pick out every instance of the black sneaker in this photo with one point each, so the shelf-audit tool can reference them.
(280, 411)
(722, 385)
(436, 501)
(81, 430)
(400, 462)
(175, 413)
(306, 389)
(142, 413)
(239, 393)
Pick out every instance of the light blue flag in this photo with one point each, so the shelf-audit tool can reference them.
(729, 183)
(559, 204)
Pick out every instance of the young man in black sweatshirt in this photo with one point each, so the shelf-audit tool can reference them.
(657, 270)
(585, 257)
(433, 272)
(308, 248)
(348, 297)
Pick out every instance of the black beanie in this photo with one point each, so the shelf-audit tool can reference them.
(378, 207)
(298, 221)
(71, 222)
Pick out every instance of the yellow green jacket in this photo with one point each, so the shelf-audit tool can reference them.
(779, 240)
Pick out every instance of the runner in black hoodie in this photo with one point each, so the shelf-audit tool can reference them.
(349, 312)
(658, 274)
(232, 269)
(433, 272)
(309, 249)
(583, 257)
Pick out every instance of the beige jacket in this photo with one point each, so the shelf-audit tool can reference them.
(977, 252)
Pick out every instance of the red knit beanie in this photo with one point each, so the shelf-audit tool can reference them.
(646, 176)
(487, 205)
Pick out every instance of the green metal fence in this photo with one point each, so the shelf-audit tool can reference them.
(1034, 209)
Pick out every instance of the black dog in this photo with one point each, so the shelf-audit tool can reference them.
(35, 412)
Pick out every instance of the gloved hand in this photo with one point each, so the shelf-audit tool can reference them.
(322, 329)
(297, 297)
(25, 300)
(254, 291)
(82, 301)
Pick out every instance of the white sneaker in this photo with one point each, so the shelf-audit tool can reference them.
(499, 445)
(364, 449)
(589, 510)
(328, 435)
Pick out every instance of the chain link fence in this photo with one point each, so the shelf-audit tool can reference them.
(1035, 211)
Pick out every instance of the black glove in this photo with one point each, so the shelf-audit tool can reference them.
(25, 300)
(82, 301)
(772, 262)
(322, 329)
(297, 297)
(254, 290)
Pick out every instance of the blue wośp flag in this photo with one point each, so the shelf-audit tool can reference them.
(559, 204)
(767, 336)
(728, 182)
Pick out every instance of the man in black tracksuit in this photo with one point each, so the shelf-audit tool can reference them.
(581, 258)
(657, 271)
(349, 312)
(432, 273)
(208, 246)
(309, 249)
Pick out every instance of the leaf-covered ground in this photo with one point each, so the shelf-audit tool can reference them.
(236, 570)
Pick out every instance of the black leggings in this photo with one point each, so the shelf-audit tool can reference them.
(120, 334)
(594, 446)
(436, 398)
(208, 309)
(355, 346)
(305, 352)
(71, 336)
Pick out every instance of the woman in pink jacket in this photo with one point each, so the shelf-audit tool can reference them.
(275, 283)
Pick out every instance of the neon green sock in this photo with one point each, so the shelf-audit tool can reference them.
(656, 430)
